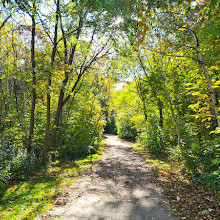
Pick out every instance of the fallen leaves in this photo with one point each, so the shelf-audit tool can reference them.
(187, 198)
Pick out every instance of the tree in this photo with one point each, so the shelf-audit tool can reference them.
(47, 131)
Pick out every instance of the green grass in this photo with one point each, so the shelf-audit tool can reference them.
(27, 199)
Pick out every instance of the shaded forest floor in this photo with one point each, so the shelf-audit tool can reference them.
(187, 197)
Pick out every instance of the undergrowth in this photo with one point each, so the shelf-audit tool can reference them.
(27, 199)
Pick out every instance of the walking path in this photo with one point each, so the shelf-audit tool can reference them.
(120, 187)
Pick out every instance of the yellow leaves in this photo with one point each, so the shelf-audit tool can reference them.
(182, 28)
(194, 106)
(28, 80)
(3, 76)
(196, 116)
(195, 93)
(217, 83)
(214, 68)
(216, 131)
(191, 106)
(73, 39)
(203, 96)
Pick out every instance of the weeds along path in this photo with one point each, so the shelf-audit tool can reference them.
(120, 187)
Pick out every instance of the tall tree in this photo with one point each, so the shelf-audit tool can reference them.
(47, 131)
(34, 84)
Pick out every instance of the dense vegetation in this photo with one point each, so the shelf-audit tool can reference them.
(59, 61)
(171, 104)
(55, 79)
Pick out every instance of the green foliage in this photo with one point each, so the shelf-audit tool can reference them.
(110, 127)
(80, 133)
(202, 160)
(16, 163)
(166, 87)
(125, 128)
(82, 127)
(198, 154)
(153, 138)
(126, 105)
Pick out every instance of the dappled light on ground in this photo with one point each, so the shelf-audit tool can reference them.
(120, 186)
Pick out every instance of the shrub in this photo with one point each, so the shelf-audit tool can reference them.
(15, 162)
(153, 138)
(110, 127)
(201, 160)
(126, 128)
(79, 133)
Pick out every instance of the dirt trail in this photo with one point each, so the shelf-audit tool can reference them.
(121, 187)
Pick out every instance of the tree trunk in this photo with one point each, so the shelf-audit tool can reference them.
(161, 113)
(16, 99)
(144, 108)
(206, 74)
(57, 118)
(47, 131)
(31, 131)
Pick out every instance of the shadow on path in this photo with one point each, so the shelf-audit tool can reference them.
(121, 187)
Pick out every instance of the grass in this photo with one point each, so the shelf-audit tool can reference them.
(28, 199)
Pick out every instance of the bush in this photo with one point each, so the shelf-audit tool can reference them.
(153, 139)
(3, 188)
(15, 162)
(126, 128)
(78, 134)
(201, 160)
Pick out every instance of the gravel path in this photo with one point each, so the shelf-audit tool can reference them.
(120, 187)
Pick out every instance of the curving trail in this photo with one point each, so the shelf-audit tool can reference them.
(121, 187)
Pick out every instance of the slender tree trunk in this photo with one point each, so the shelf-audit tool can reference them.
(4, 22)
(171, 109)
(138, 87)
(144, 108)
(206, 74)
(31, 131)
(6, 93)
(16, 99)
(57, 118)
(1, 107)
(47, 131)
(161, 113)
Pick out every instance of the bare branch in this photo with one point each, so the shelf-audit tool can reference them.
(4, 22)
